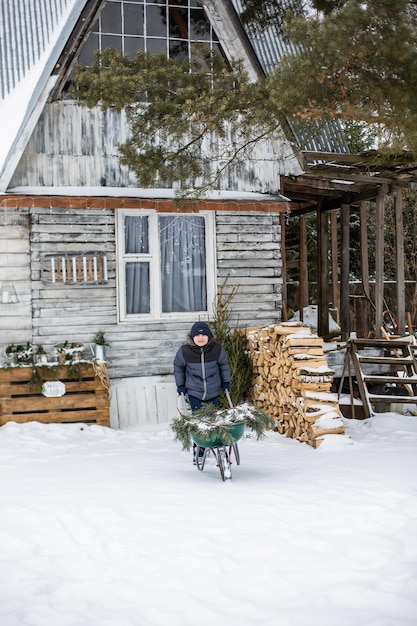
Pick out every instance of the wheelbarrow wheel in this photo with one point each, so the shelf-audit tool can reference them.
(224, 463)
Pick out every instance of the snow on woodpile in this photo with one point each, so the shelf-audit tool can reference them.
(292, 381)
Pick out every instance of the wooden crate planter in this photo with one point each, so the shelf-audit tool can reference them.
(84, 401)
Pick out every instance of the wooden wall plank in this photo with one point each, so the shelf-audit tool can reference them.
(259, 293)
(89, 156)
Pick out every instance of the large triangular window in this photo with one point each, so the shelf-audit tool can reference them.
(179, 28)
(175, 27)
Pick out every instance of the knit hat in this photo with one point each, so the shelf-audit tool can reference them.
(200, 328)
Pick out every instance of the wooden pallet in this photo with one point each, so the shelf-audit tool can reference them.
(84, 401)
(381, 363)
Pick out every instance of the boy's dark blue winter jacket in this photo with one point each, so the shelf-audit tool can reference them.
(202, 371)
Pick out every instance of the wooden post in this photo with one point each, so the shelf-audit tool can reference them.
(323, 272)
(379, 263)
(284, 313)
(399, 235)
(303, 269)
(344, 272)
(364, 313)
(335, 262)
(364, 249)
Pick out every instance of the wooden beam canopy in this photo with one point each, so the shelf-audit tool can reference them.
(334, 183)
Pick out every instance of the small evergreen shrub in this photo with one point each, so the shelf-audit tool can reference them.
(235, 344)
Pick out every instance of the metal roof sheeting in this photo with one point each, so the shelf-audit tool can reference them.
(32, 35)
(26, 29)
(269, 44)
(270, 47)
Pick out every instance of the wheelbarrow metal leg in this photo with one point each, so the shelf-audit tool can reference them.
(235, 449)
(200, 459)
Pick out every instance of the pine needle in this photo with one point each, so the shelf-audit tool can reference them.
(211, 423)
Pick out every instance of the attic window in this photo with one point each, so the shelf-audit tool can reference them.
(174, 27)
(181, 29)
(89, 268)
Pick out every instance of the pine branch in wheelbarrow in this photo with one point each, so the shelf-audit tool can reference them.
(211, 424)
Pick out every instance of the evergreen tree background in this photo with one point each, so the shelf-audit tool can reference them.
(235, 344)
(350, 60)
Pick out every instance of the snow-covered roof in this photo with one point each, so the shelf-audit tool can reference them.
(32, 36)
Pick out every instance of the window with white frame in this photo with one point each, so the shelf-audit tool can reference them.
(166, 264)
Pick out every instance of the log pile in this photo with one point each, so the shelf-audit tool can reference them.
(292, 381)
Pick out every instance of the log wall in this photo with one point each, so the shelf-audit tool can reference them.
(15, 319)
(249, 260)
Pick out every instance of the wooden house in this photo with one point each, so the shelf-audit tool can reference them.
(83, 248)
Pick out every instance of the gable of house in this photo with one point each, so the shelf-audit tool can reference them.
(89, 154)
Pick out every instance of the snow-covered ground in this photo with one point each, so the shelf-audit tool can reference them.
(105, 527)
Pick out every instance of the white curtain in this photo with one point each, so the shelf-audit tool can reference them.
(137, 272)
(183, 263)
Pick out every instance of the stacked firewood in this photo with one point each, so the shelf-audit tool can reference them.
(292, 381)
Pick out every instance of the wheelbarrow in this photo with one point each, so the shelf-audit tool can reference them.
(215, 445)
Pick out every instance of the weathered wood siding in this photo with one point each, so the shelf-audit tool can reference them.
(249, 260)
(140, 359)
(15, 319)
(76, 312)
(73, 145)
(63, 311)
(248, 257)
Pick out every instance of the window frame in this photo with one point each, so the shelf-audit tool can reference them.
(154, 259)
(99, 29)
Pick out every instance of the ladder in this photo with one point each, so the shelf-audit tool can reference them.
(379, 363)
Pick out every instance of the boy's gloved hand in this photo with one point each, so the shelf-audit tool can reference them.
(226, 386)
(180, 389)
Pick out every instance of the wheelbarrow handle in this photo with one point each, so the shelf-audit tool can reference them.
(184, 404)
